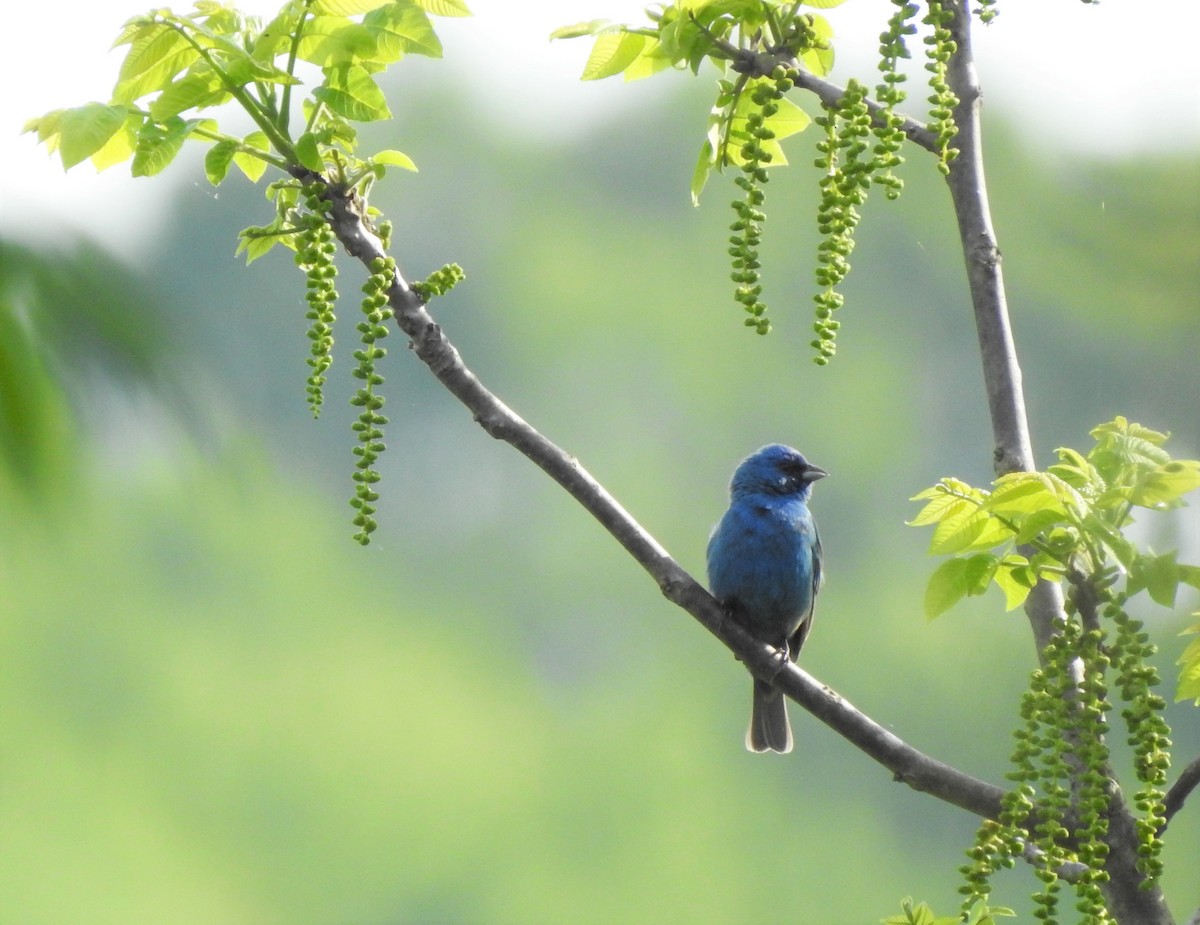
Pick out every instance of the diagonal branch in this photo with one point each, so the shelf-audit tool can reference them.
(431, 345)
(1188, 781)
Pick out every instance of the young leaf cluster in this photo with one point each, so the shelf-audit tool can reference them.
(180, 66)
(1072, 520)
(1073, 517)
(922, 914)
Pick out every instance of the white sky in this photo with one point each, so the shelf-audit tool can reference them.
(1111, 78)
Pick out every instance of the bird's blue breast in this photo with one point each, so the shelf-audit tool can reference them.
(760, 563)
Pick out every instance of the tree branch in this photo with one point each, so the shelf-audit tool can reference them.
(760, 64)
(431, 345)
(1013, 450)
(1010, 429)
(1182, 789)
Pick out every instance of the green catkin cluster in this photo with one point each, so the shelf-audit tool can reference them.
(368, 427)
(940, 48)
(844, 187)
(986, 10)
(1149, 734)
(1062, 744)
(1061, 739)
(439, 282)
(747, 228)
(890, 94)
(315, 249)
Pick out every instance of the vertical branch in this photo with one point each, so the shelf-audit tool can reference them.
(1013, 450)
(1010, 428)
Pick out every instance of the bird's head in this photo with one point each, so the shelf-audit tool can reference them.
(775, 470)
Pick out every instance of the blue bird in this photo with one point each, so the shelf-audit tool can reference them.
(764, 566)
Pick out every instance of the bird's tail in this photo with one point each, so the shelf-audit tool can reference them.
(769, 730)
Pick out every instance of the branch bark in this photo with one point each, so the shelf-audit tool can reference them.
(1181, 789)
(906, 763)
(1010, 429)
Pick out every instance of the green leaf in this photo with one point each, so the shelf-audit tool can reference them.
(945, 498)
(576, 30)
(819, 59)
(787, 120)
(253, 167)
(393, 158)
(1189, 672)
(966, 530)
(120, 147)
(158, 143)
(258, 240)
(1159, 575)
(1021, 493)
(955, 579)
(704, 165)
(444, 7)
(1015, 578)
(346, 7)
(156, 54)
(330, 41)
(1166, 484)
(86, 129)
(650, 61)
(1076, 471)
(612, 53)
(1034, 525)
(46, 126)
(823, 4)
(308, 152)
(217, 160)
(351, 92)
(400, 29)
(201, 87)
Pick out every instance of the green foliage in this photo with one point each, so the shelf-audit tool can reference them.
(1071, 517)
(754, 39)
(1072, 520)
(1189, 662)
(182, 64)
(922, 914)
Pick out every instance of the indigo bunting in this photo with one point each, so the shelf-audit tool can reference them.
(764, 566)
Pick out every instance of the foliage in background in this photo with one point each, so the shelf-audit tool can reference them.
(331, 155)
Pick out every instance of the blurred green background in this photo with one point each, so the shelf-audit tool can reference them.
(218, 709)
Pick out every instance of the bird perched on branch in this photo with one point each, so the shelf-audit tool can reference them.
(764, 566)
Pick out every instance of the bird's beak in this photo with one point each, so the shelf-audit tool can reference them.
(812, 473)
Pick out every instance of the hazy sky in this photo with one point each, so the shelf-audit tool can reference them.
(1108, 78)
